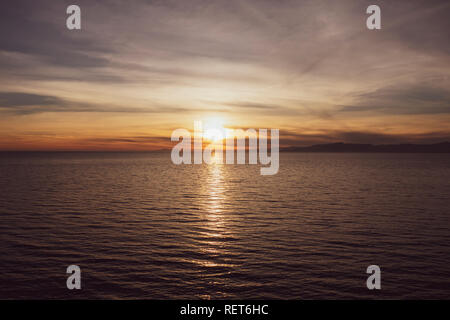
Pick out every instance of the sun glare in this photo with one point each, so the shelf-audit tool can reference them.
(213, 129)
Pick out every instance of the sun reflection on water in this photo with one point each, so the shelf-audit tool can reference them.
(215, 230)
(215, 189)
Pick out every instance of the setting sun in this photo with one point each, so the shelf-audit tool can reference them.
(213, 129)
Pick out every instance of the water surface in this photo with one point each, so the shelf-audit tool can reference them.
(141, 227)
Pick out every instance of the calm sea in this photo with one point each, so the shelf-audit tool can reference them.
(140, 227)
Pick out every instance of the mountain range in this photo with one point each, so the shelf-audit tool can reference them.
(443, 147)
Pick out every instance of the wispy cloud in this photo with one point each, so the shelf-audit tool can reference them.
(21, 103)
(417, 98)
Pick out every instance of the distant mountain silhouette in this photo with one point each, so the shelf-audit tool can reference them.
(443, 147)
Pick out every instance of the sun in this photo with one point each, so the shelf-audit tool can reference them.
(213, 129)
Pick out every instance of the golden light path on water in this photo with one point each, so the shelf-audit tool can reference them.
(216, 230)
(215, 190)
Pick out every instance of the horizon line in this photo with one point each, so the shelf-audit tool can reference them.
(282, 149)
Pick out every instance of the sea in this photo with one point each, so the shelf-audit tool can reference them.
(140, 227)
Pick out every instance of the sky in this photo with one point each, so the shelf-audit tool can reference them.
(137, 70)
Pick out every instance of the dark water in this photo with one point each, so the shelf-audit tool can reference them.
(141, 227)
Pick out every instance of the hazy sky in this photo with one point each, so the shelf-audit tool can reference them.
(139, 69)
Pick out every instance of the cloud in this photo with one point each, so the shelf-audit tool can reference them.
(26, 29)
(421, 98)
(131, 139)
(254, 105)
(263, 108)
(419, 25)
(21, 103)
(171, 38)
(21, 99)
